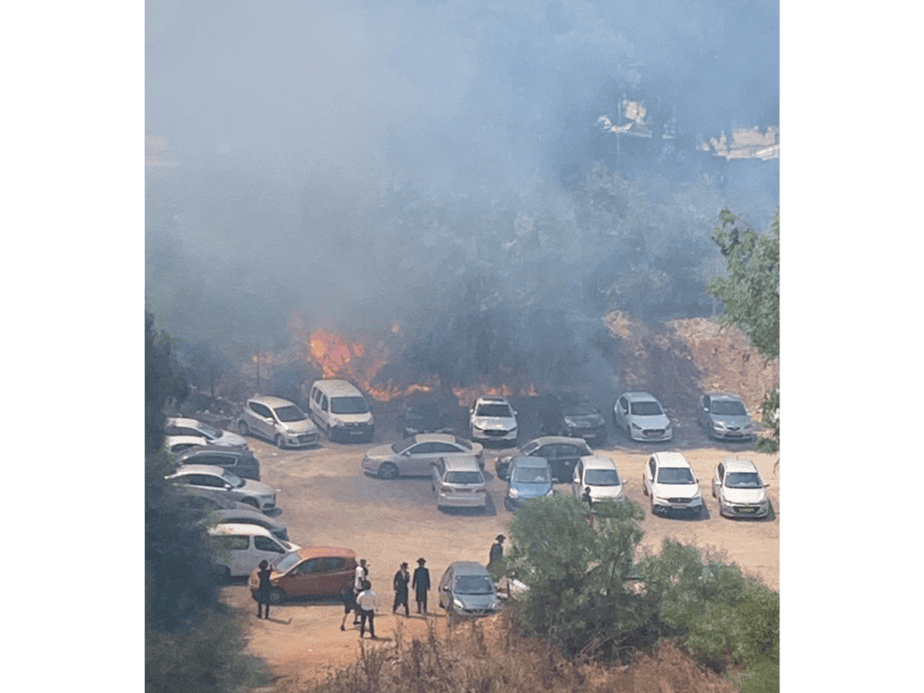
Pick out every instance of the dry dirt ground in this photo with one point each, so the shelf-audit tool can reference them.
(326, 499)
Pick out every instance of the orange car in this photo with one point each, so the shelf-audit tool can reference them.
(313, 571)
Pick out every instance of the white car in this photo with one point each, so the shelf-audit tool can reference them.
(179, 444)
(210, 478)
(740, 490)
(238, 548)
(642, 417)
(194, 427)
(669, 482)
(600, 475)
(493, 420)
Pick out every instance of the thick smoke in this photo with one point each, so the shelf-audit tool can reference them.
(440, 165)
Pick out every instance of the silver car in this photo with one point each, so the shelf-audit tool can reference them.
(205, 476)
(599, 474)
(724, 416)
(457, 482)
(642, 417)
(413, 456)
(278, 420)
(194, 427)
(740, 490)
(466, 590)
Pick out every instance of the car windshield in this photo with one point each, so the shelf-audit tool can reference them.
(729, 408)
(464, 478)
(646, 408)
(742, 480)
(497, 410)
(601, 477)
(287, 562)
(675, 475)
(580, 409)
(290, 413)
(208, 431)
(531, 475)
(233, 479)
(473, 584)
(348, 405)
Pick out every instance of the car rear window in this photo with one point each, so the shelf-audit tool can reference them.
(464, 478)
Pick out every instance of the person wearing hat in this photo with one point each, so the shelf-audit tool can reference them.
(402, 578)
(497, 549)
(263, 590)
(367, 602)
(421, 582)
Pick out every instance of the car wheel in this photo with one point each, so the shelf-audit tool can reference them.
(251, 501)
(388, 471)
(277, 595)
(652, 507)
(327, 432)
(243, 428)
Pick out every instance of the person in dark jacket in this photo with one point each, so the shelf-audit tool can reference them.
(402, 578)
(263, 590)
(497, 549)
(421, 583)
(348, 597)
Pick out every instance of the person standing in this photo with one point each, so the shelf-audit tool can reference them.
(360, 575)
(497, 549)
(401, 580)
(367, 602)
(421, 582)
(348, 597)
(263, 590)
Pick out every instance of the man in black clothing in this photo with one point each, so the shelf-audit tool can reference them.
(402, 578)
(263, 590)
(421, 584)
(497, 549)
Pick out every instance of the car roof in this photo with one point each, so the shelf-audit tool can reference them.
(200, 469)
(252, 516)
(527, 461)
(433, 438)
(333, 386)
(271, 401)
(640, 396)
(466, 464)
(493, 398)
(545, 440)
(671, 459)
(212, 449)
(467, 568)
(592, 462)
(238, 528)
(318, 551)
(175, 440)
(723, 395)
(182, 421)
(739, 465)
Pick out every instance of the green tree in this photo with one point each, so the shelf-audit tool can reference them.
(750, 294)
(578, 595)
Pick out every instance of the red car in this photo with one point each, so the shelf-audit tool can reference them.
(313, 571)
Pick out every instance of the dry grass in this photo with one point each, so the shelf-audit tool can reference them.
(479, 657)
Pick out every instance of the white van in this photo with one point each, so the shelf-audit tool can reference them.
(340, 410)
(238, 548)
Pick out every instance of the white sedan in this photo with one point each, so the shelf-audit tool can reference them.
(740, 490)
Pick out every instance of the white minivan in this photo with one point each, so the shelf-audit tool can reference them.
(238, 548)
(340, 410)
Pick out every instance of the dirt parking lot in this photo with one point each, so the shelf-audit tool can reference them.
(326, 499)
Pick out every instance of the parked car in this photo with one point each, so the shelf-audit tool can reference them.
(466, 590)
(422, 415)
(197, 503)
(248, 515)
(413, 456)
(277, 420)
(340, 410)
(493, 420)
(457, 482)
(530, 477)
(572, 416)
(642, 417)
(238, 460)
(724, 416)
(315, 571)
(194, 427)
(669, 482)
(600, 475)
(180, 444)
(561, 453)
(740, 490)
(203, 476)
(237, 549)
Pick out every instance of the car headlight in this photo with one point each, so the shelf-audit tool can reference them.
(513, 493)
(550, 493)
(571, 423)
(477, 426)
(457, 603)
(718, 425)
(636, 426)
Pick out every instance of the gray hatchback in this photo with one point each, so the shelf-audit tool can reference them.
(466, 590)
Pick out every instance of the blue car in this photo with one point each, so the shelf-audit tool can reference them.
(528, 477)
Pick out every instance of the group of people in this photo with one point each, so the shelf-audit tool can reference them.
(363, 602)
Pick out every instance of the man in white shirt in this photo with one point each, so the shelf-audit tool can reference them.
(367, 602)
(359, 576)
